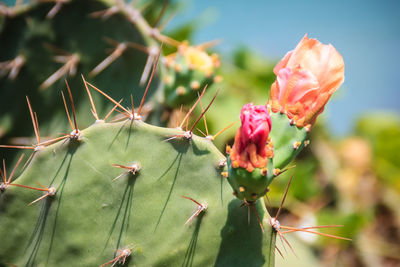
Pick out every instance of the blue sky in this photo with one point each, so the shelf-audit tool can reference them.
(366, 33)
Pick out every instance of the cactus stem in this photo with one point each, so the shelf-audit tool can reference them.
(122, 255)
(201, 207)
(135, 167)
(70, 65)
(118, 51)
(224, 129)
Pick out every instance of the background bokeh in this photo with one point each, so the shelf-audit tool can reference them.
(365, 32)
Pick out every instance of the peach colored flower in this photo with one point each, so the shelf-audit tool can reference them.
(251, 149)
(306, 79)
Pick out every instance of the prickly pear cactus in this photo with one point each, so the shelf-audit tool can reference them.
(134, 194)
(90, 216)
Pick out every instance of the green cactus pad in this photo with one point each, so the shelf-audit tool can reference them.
(91, 216)
(284, 136)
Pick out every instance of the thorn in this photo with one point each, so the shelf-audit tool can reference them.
(314, 232)
(201, 132)
(70, 66)
(66, 110)
(105, 14)
(34, 121)
(56, 8)
(209, 44)
(12, 67)
(94, 112)
(224, 129)
(112, 110)
(164, 8)
(279, 172)
(150, 80)
(13, 170)
(133, 169)
(122, 254)
(204, 115)
(166, 21)
(118, 51)
(311, 227)
(284, 197)
(72, 105)
(279, 252)
(276, 171)
(200, 208)
(193, 107)
(110, 98)
(204, 112)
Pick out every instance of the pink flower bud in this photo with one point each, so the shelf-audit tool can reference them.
(306, 79)
(251, 149)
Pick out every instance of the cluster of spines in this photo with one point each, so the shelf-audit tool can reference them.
(70, 60)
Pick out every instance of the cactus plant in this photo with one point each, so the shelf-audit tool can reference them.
(131, 193)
